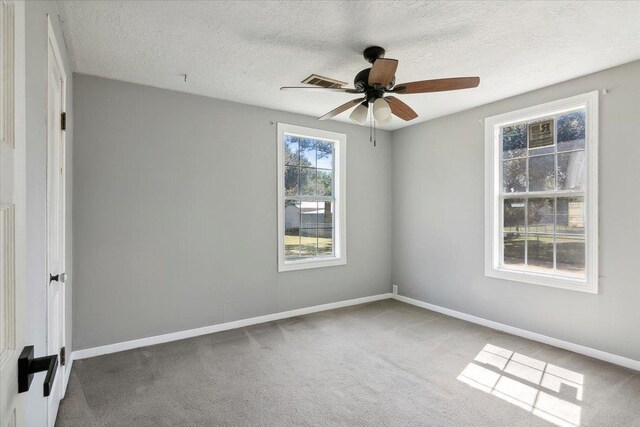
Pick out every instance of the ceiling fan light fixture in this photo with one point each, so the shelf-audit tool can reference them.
(375, 84)
(381, 110)
(360, 113)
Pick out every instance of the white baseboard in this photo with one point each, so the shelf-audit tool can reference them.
(576, 348)
(159, 339)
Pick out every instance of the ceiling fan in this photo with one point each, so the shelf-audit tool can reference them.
(373, 84)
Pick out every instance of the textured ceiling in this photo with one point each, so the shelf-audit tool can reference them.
(244, 51)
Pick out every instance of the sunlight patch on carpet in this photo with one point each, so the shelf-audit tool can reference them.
(546, 390)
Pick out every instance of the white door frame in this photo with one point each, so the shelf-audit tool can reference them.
(13, 254)
(53, 54)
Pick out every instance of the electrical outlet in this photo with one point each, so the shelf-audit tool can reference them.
(395, 289)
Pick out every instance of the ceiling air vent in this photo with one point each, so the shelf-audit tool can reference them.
(317, 80)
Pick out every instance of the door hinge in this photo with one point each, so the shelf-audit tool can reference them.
(63, 121)
(63, 356)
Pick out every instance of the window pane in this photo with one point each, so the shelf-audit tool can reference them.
(309, 215)
(291, 150)
(513, 215)
(541, 137)
(308, 242)
(325, 182)
(571, 170)
(540, 251)
(292, 229)
(291, 214)
(325, 155)
(291, 180)
(513, 249)
(292, 243)
(570, 254)
(543, 150)
(308, 152)
(541, 173)
(540, 215)
(325, 241)
(514, 141)
(514, 175)
(571, 131)
(570, 215)
(325, 214)
(307, 181)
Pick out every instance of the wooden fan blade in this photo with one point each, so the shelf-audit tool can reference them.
(340, 109)
(320, 89)
(382, 71)
(401, 109)
(438, 85)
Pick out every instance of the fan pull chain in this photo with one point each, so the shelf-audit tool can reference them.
(370, 126)
(374, 131)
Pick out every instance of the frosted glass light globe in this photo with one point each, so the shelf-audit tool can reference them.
(359, 114)
(381, 110)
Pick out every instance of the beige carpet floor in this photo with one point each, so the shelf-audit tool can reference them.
(379, 364)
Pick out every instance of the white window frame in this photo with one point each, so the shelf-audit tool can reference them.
(339, 141)
(493, 182)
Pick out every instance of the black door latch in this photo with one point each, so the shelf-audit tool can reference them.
(28, 365)
(57, 278)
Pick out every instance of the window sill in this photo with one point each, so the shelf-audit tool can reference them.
(310, 263)
(550, 280)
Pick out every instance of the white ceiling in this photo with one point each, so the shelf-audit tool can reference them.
(244, 51)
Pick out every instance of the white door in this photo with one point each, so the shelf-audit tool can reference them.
(12, 210)
(55, 218)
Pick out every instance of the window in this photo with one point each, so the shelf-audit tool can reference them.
(311, 192)
(541, 194)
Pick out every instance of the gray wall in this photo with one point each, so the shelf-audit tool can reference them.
(175, 214)
(438, 221)
(36, 168)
